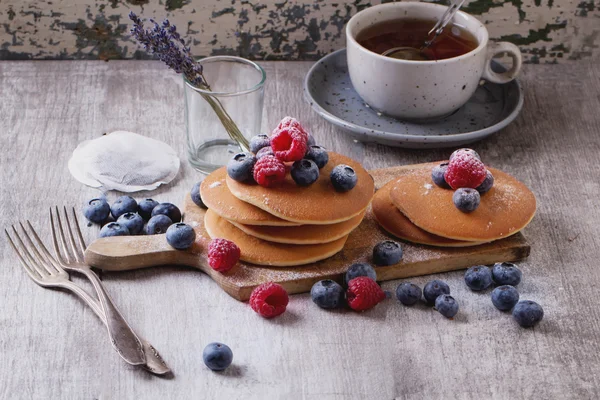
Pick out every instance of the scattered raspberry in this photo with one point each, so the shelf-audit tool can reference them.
(289, 144)
(269, 171)
(289, 122)
(269, 300)
(363, 293)
(465, 171)
(223, 254)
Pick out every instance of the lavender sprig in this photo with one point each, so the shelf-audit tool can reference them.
(166, 43)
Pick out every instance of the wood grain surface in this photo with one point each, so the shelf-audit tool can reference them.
(54, 347)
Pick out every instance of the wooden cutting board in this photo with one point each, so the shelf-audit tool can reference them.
(131, 252)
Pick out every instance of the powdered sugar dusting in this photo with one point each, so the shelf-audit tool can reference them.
(214, 185)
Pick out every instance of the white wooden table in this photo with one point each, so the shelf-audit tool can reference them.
(52, 346)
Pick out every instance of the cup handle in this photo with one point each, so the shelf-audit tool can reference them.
(499, 48)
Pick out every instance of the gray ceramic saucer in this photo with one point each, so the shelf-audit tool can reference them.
(328, 89)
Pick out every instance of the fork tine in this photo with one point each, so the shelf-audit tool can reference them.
(35, 251)
(37, 268)
(50, 260)
(65, 256)
(33, 274)
(79, 235)
(54, 238)
(71, 236)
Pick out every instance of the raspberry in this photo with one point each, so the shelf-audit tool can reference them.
(363, 293)
(289, 122)
(269, 171)
(223, 254)
(289, 144)
(269, 300)
(465, 171)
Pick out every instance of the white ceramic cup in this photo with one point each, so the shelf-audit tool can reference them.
(422, 90)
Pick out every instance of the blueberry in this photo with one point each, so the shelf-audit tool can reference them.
(265, 151)
(528, 313)
(343, 178)
(318, 154)
(158, 224)
(506, 274)
(360, 269)
(122, 205)
(446, 305)
(487, 183)
(478, 277)
(241, 166)
(387, 252)
(437, 175)
(311, 140)
(133, 222)
(505, 297)
(408, 293)
(145, 208)
(96, 210)
(258, 142)
(181, 236)
(433, 289)
(304, 172)
(196, 198)
(113, 229)
(466, 199)
(217, 356)
(168, 209)
(327, 294)
(470, 151)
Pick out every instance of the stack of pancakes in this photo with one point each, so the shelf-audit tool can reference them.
(289, 224)
(413, 208)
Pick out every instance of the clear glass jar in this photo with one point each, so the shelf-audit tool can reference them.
(237, 94)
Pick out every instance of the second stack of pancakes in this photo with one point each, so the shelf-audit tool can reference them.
(286, 225)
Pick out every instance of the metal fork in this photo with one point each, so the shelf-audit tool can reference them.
(45, 270)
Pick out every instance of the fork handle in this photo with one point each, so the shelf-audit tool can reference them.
(123, 338)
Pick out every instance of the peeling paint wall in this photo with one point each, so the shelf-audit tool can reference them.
(547, 31)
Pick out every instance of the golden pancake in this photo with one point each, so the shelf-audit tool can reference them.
(317, 204)
(216, 195)
(262, 252)
(506, 209)
(303, 234)
(392, 220)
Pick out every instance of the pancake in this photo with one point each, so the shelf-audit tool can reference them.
(506, 209)
(262, 252)
(317, 204)
(216, 195)
(303, 234)
(393, 221)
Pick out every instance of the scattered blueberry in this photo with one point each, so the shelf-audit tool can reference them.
(96, 210)
(446, 305)
(195, 193)
(433, 289)
(437, 175)
(217, 356)
(304, 172)
(181, 236)
(466, 199)
(470, 151)
(478, 277)
(158, 224)
(311, 140)
(408, 293)
(133, 222)
(505, 297)
(387, 252)
(318, 154)
(113, 229)
(241, 167)
(360, 269)
(258, 142)
(265, 151)
(528, 313)
(506, 274)
(168, 209)
(343, 178)
(122, 205)
(487, 184)
(327, 294)
(145, 208)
